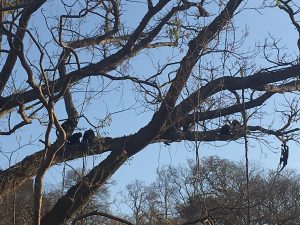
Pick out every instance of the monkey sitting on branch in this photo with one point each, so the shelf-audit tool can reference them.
(228, 129)
(88, 136)
(74, 139)
(68, 126)
(236, 124)
(225, 129)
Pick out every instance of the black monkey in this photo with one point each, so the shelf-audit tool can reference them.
(188, 127)
(74, 139)
(284, 155)
(88, 136)
(225, 129)
(235, 124)
(68, 126)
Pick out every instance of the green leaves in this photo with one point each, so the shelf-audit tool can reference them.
(174, 30)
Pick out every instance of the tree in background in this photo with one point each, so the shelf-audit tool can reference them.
(217, 195)
(62, 63)
(15, 208)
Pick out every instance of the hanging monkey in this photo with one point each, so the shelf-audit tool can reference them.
(284, 155)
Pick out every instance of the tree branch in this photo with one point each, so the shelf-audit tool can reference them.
(99, 213)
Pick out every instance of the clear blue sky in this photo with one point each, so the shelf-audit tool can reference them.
(144, 164)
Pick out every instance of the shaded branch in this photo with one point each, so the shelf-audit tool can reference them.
(202, 116)
(99, 213)
(233, 83)
(16, 175)
(21, 30)
(214, 135)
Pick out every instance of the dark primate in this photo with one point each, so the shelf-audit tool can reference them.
(188, 127)
(88, 136)
(225, 129)
(74, 139)
(68, 126)
(235, 124)
(284, 155)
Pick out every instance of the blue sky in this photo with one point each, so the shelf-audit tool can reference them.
(144, 164)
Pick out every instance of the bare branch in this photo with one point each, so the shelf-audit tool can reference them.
(99, 213)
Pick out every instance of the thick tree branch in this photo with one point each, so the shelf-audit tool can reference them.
(16, 175)
(99, 213)
(12, 56)
(195, 47)
(202, 116)
(214, 135)
(80, 193)
(232, 83)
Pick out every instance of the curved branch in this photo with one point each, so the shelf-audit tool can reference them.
(201, 116)
(101, 38)
(233, 83)
(99, 213)
(12, 56)
(214, 135)
(27, 168)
